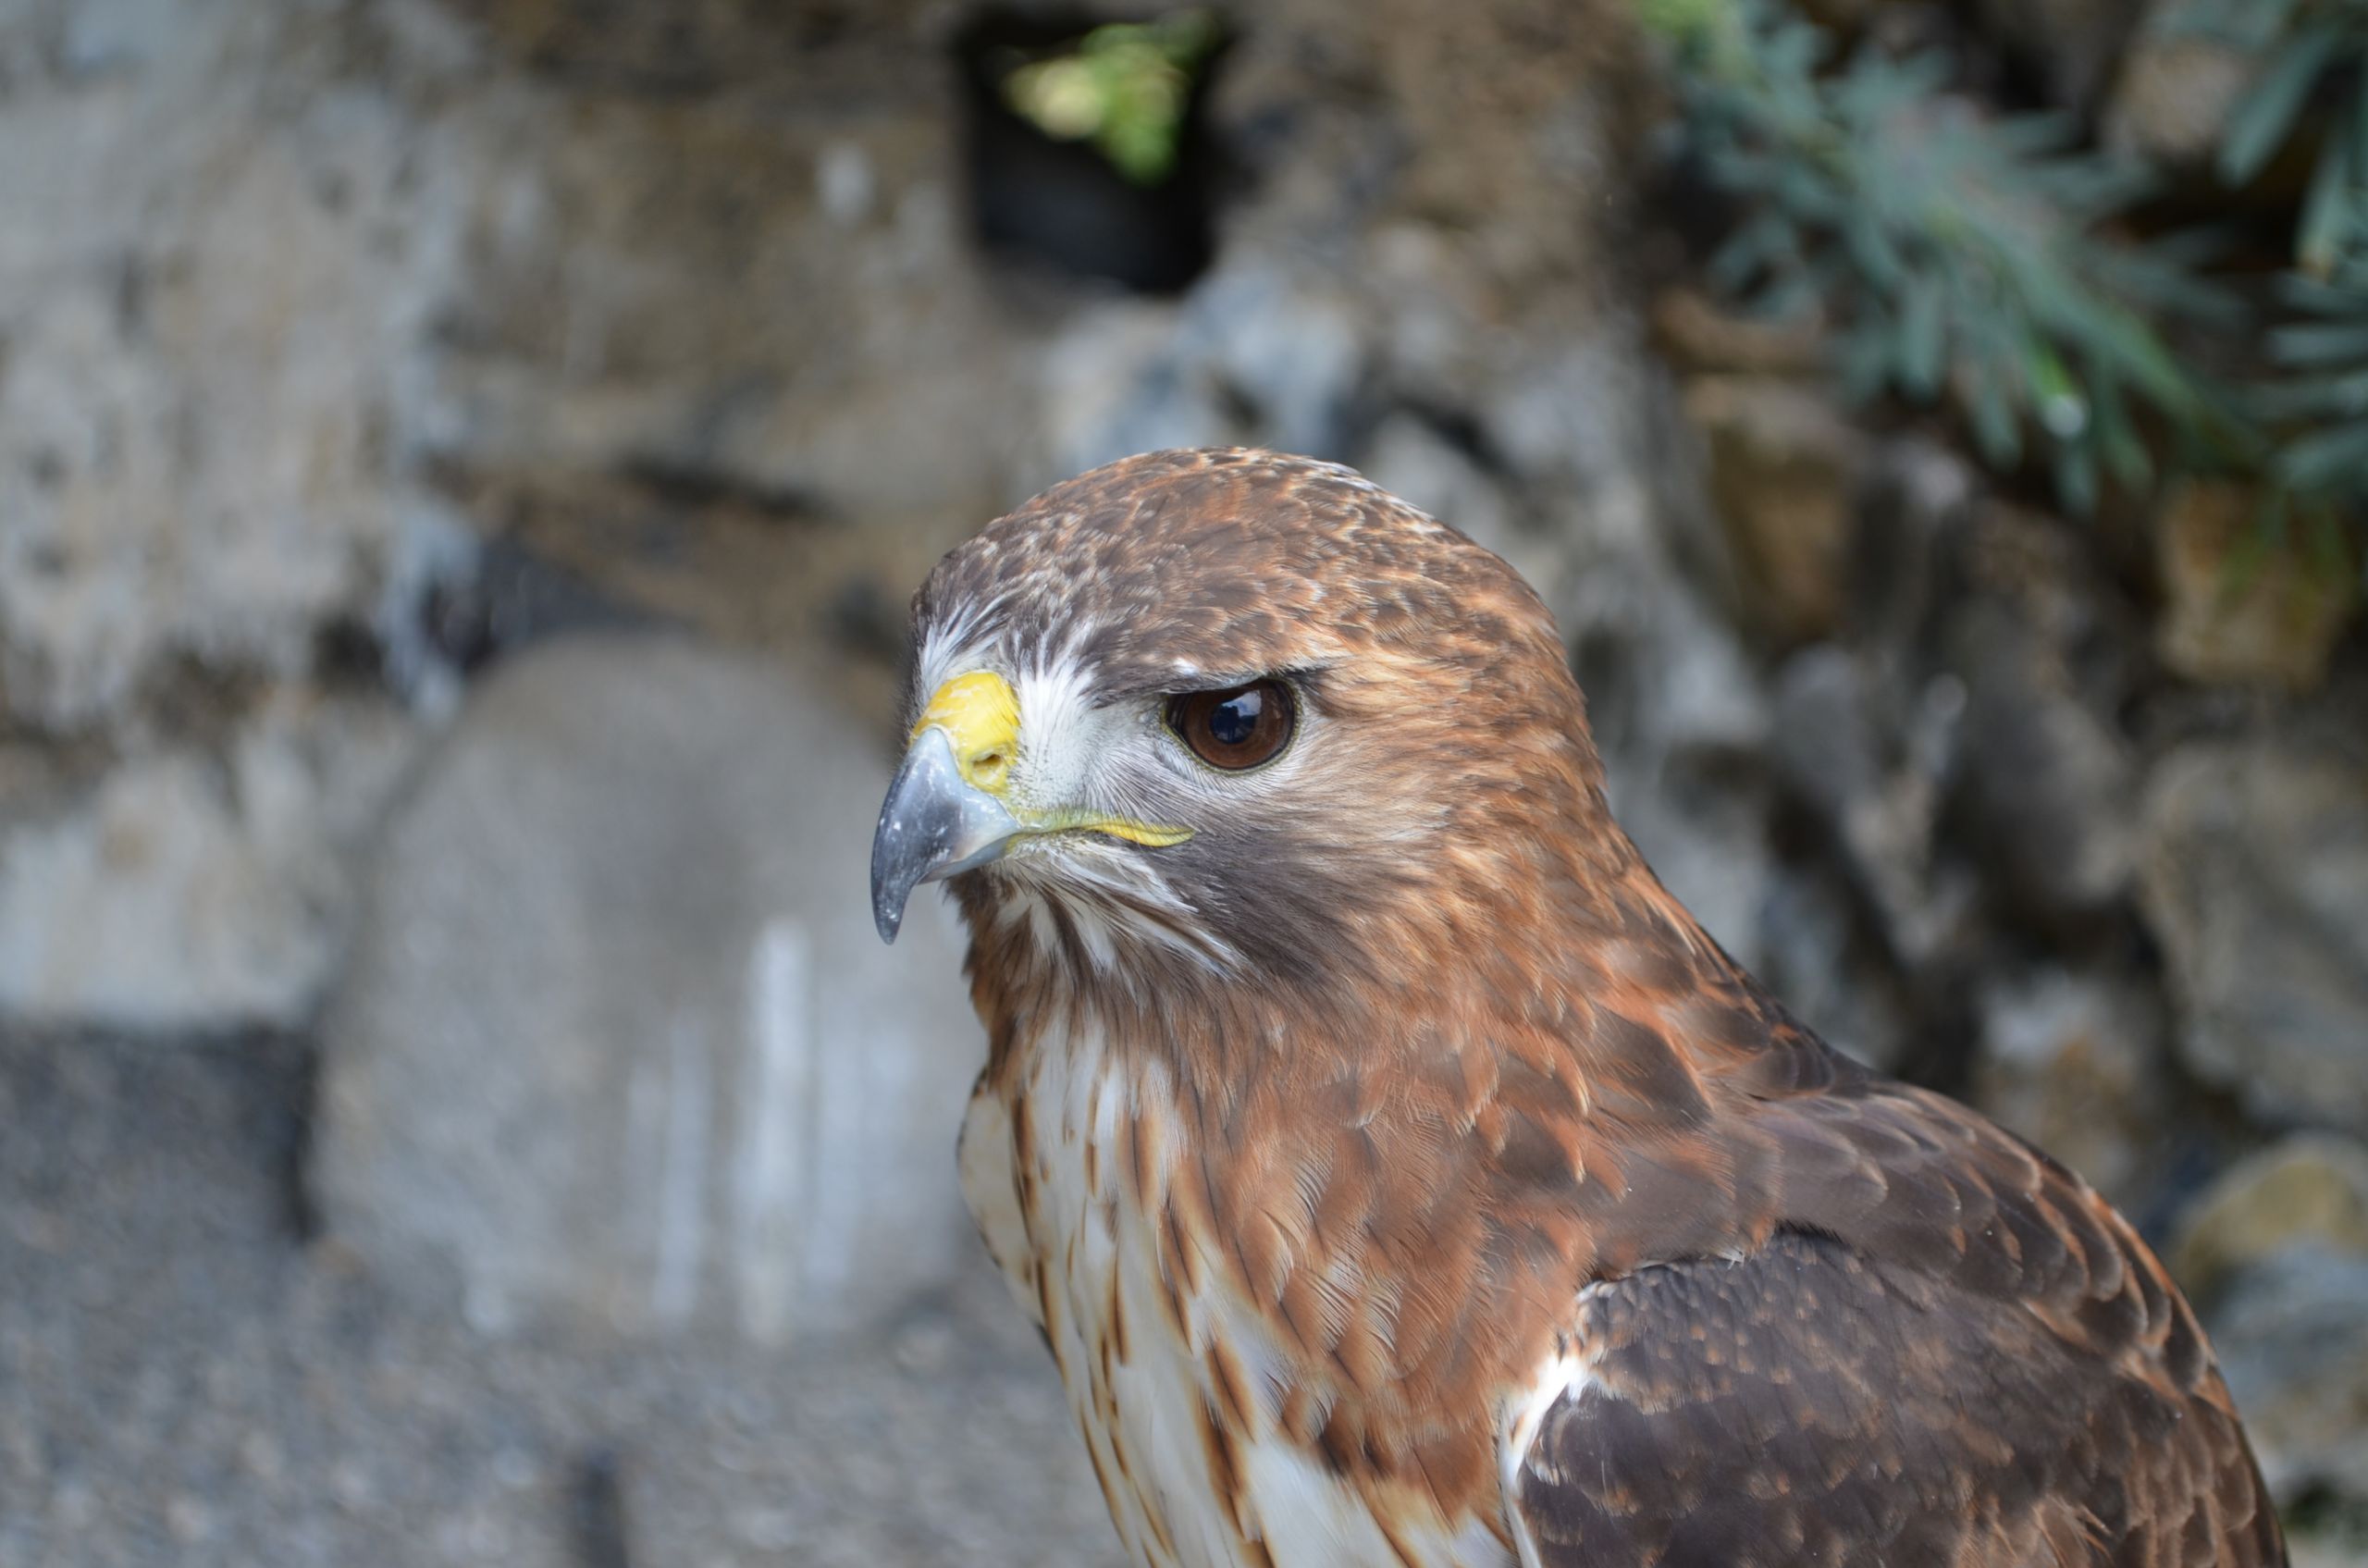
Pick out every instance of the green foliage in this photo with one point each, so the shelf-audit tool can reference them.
(2314, 57)
(2311, 52)
(1123, 87)
(1966, 258)
(2320, 401)
(1955, 255)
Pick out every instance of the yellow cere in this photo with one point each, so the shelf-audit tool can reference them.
(980, 714)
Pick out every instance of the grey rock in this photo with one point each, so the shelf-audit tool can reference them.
(2044, 655)
(2275, 1253)
(2308, 1187)
(2073, 1061)
(1122, 377)
(677, 282)
(2293, 1338)
(2254, 876)
(1867, 764)
(196, 889)
(1919, 499)
(2044, 780)
(618, 1044)
(1290, 350)
(1430, 310)
(1581, 412)
(1829, 737)
(1250, 355)
(1700, 819)
(208, 361)
(1826, 969)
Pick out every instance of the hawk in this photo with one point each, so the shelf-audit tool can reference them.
(1399, 1174)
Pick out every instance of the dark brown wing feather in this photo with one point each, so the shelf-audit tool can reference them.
(1806, 1406)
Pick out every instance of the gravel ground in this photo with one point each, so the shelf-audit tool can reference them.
(184, 1380)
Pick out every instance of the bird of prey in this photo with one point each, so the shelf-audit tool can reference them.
(1399, 1175)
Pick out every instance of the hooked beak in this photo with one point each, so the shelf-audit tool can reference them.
(935, 823)
(945, 811)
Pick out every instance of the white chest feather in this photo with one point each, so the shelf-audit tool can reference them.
(1056, 1178)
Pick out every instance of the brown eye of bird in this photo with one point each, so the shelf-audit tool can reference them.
(1239, 727)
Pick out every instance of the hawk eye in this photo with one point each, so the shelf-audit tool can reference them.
(1238, 727)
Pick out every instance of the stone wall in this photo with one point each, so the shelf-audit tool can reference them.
(352, 350)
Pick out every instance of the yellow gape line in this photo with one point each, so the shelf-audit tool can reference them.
(980, 714)
(1116, 827)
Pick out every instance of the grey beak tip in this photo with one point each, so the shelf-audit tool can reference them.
(889, 888)
(933, 824)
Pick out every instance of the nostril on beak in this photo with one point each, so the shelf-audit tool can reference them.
(988, 769)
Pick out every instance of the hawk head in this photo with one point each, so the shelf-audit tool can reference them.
(1235, 711)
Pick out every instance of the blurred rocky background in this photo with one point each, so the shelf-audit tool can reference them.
(462, 467)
